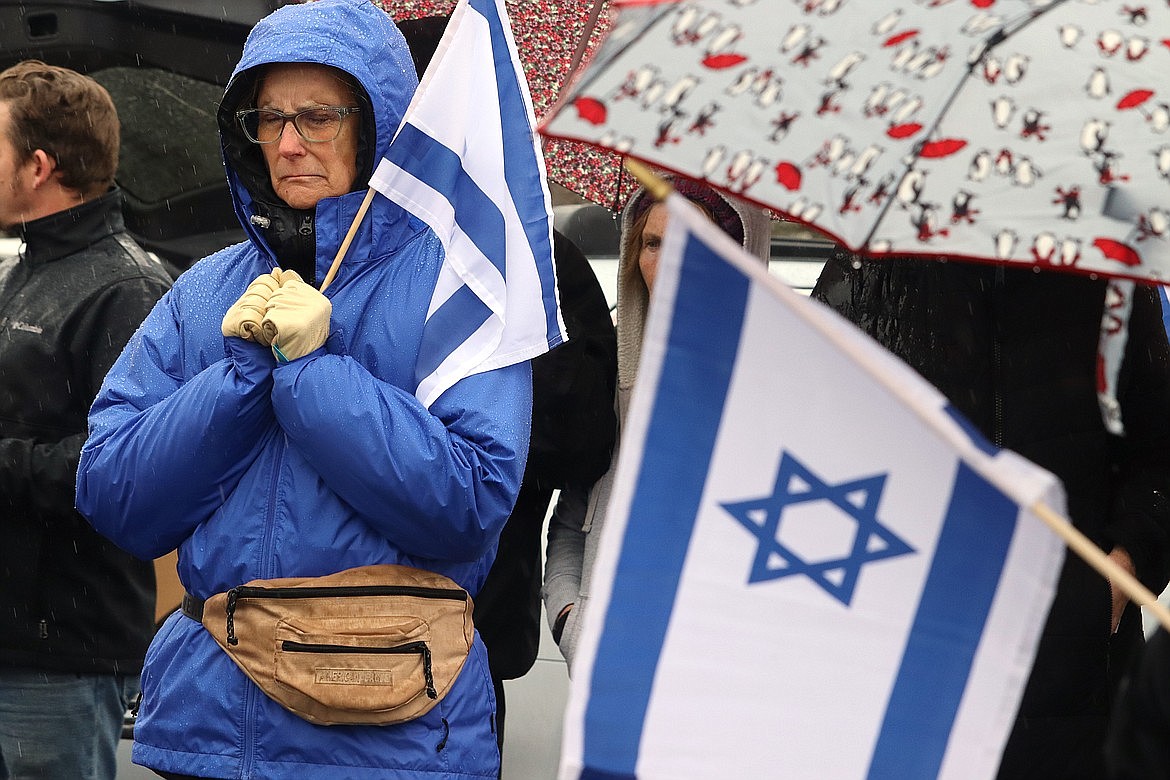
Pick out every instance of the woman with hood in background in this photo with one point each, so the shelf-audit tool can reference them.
(311, 456)
(574, 529)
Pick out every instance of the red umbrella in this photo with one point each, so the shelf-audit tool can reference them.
(552, 37)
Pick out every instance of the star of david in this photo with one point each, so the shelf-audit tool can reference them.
(796, 484)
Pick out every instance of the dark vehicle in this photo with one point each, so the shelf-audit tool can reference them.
(165, 63)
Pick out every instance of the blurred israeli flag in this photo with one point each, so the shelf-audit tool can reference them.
(467, 161)
(810, 566)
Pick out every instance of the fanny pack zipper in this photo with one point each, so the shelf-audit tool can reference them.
(290, 646)
(317, 592)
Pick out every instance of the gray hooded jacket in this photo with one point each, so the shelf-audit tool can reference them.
(579, 515)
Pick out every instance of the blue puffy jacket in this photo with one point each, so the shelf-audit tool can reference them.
(258, 470)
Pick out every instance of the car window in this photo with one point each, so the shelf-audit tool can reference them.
(170, 144)
(175, 195)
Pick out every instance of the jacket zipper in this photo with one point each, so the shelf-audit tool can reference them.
(410, 648)
(326, 591)
(997, 409)
(267, 558)
(996, 366)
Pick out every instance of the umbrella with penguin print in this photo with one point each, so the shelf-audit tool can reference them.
(1003, 130)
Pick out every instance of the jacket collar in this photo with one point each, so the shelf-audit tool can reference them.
(67, 232)
(378, 57)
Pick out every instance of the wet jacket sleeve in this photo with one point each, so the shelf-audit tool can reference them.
(1140, 517)
(163, 452)
(41, 474)
(565, 554)
(437, 483)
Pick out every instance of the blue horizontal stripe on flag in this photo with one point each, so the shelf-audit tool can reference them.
(442, 170)
(956, 601)
(521, 168)
(681, 436)
(447, 328)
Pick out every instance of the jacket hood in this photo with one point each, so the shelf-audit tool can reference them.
(353, 36)
(633, 298)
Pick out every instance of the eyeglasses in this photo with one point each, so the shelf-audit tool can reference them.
(315, 125)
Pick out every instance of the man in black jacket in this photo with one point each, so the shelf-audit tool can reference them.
(76, 613)
(1015, 350)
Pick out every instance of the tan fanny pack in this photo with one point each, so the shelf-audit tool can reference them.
(374, 645)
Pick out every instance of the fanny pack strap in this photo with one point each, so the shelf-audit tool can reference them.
(193, 607)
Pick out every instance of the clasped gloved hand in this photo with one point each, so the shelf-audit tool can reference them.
(296, 318)
(245, 317)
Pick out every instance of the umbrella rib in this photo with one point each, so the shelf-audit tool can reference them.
(599, 64)
(993, 40)
(579, 52)
(583, 42)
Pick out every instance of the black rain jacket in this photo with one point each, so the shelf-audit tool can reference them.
(1015, 350)
(573, 430)
(70, 600)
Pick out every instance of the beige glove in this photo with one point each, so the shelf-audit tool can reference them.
(297, 318)
(267, 328)
(245, 316)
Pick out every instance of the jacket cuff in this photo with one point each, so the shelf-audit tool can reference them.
(559, 592)
(1136, 527)
(558, 626)
(253, 361)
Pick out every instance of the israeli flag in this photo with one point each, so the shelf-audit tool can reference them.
(466, 161)
(810, 566)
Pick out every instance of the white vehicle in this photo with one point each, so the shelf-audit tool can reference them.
(797, 256)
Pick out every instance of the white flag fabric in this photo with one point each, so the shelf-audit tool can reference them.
(811, 566)
(467, 162)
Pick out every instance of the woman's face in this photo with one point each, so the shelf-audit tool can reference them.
(651, 243)
(303, 173)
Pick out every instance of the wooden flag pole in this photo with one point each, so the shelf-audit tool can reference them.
(658, 187)
(1106, 566)
(353, 226)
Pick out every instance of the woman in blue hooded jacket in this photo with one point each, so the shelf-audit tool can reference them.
(314, 457)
